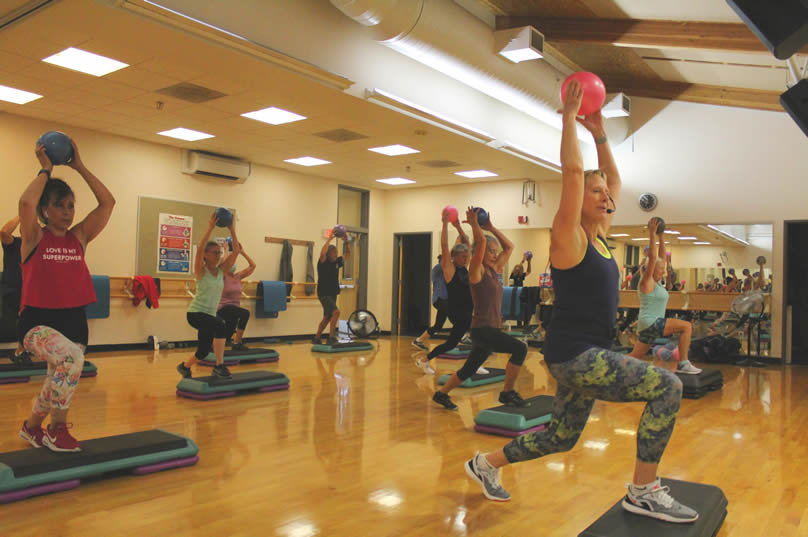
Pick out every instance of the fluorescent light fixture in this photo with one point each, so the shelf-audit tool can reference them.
(16, 96)
(701, 242)
(730, 235)
(188, 135)
(395, 181)
(476, 174)
(641, 239)
(273, 116)
(394, 150)
(307, 161)
(521, 54)
(671, 232)
(85, 62)
(386, 498)
(619, 235)
(688, 238)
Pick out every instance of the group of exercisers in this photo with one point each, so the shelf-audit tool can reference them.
(56, 286)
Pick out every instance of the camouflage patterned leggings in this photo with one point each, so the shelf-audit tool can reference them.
(608, 376)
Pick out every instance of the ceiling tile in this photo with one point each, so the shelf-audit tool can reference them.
(142, 79)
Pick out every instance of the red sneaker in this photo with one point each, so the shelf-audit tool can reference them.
(32, 434)
(58, 438)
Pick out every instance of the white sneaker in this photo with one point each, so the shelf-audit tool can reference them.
(687, 368)
(482, 371)
(424, 366)
(465, 340)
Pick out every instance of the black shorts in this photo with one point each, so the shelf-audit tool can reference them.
(329, 304)
(71, 322)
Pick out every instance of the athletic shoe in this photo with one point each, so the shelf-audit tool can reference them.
(332, 340)
(58, 438)
(482, 371)
(466, 340)
(316, 340)
(184, 370)
(239, 347)
(23, 359)
(512, 398)
(488, 477)
(444, 399)
(32, 434)
(687, 368)
(221, 371)
(420, 344)
(655, 502)
(425, 366)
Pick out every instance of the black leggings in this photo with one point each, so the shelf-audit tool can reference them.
(460, 326)
(484, 341)
(234, 317)
(442, 305)
(208, 327)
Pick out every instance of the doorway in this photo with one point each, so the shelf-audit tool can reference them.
(412, 262)
(795, 289)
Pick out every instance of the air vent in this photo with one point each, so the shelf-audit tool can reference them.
(439, 163)
(340, 135)
(185, 91)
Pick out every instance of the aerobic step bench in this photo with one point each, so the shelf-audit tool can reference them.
(461, 352)
(346, 346)
(32, 472)
(12, 373)
(708, 501)
(515, 421)
(494, 375)
(204, 388)
(232, 357)
(697, 386)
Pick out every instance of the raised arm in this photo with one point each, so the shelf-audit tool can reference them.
(594, 124)
(529, 262)
(446, 255)
(6, 232)
(647, 280)
(324, 249)
(231, 259)
(567, 238)
(199, 259)
(250, 269)
(476, 265)
(761, 281)
(97, 219)
(461, 235)
(30, 230)
(507, 245)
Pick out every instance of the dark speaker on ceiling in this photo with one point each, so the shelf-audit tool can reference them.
(782, 25)
(795, 102)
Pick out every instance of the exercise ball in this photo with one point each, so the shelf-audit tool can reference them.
(528, 255)
(593, 88)
(451, 213)
(223, 217)
(482, 216)
(660, 226)
(58, 147)
(761, 260)
(339, 231)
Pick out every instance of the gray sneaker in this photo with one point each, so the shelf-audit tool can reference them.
(488, 479)
(687, 368)
(657, 503)
(420, 344)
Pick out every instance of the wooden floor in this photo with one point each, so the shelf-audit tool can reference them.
(357, 448)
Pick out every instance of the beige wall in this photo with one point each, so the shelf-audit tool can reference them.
(270, 203)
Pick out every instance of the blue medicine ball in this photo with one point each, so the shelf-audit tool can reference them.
(58, 147)
(482, 216)
(225, 217)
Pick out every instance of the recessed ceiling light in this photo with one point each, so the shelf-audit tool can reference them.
(521, 54)
(274, 116)
(307, 161)
(701, 242)
(688, 238)
(476, 174)
(671, 232)
(395, 181)
(394, 150)
(619, 235)
(85, 62)
(186, 134)
(16, 96)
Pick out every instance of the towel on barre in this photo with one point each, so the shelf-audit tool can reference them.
(271, 298)
(100, 308)
(146, 287)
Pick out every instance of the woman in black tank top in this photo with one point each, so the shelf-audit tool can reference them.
(578, 343)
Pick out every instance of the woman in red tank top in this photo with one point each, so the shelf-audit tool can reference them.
(56, 288)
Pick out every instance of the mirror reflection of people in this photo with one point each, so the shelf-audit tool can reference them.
(440, 301)
(328, 266)
(235, 317)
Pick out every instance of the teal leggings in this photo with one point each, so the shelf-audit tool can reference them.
(608, 376)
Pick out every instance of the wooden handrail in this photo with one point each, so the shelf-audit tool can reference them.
(184, 288)
(295, 242)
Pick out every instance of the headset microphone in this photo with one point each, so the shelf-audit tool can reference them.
(611, 211)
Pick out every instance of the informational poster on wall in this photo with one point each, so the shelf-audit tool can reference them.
(174, 244)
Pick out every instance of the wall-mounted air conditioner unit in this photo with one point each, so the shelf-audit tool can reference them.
(213, 165)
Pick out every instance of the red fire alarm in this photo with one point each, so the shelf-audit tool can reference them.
(522, 219)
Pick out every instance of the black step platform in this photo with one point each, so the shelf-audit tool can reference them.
(697, 386)
(32, 472)
(231, 357)
(211, 387)
(708, 501)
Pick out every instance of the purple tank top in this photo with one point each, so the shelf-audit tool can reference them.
(231, 294)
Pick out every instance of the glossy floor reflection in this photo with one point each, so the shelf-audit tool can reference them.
(356, 447)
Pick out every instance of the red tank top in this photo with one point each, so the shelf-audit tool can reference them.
(56, 276)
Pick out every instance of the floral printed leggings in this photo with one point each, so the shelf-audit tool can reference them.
(609, 376)
(65, 363)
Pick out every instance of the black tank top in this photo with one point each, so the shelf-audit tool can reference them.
(460, 303)
(585, 307)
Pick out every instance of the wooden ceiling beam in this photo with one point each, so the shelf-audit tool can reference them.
(735, 37)
(697, 93)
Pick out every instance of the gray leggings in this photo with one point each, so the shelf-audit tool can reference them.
(608, 376)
